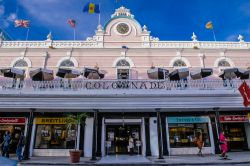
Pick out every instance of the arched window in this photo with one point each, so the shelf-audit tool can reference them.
(122, 63)
(123, 69)
(20, 64)
(67, 63)
(223, 64)
(179, 63)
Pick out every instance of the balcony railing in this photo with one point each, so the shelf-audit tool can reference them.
(135, 85)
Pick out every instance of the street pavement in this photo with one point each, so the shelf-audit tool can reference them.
(235, 158)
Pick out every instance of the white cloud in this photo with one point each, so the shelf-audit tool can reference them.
(53, 15)
(12, 17)
(2, 9)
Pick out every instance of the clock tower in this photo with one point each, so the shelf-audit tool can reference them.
(124, 30)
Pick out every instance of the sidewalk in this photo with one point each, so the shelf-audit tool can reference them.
(235, 158)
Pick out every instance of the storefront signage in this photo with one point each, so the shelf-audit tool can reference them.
(125, 85)
(51, 120)
(233, 118)
(190, 119)
(12, 120)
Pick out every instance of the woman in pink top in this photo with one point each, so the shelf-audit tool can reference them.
(223, 144)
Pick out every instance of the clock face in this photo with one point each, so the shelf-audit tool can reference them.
(122, 28)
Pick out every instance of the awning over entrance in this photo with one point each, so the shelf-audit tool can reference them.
(157, 73)
(92, 73)
(199, 73)
(179, 74)
(68, 73)
(41, 74)
(12, 72)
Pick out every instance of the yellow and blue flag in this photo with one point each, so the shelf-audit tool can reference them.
(209, 25)
(91, 8)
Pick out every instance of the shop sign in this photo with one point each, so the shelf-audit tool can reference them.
(190, 119)
(233, 118)
(51, 121)
(12, 120)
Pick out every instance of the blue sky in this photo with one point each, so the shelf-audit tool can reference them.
(166, 19)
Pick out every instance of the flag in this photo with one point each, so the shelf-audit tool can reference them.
(22, 23)
(72, 23)
(209, 25)
(91, 8)
(245, 93)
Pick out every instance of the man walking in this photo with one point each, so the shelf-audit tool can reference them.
(20, 146)
(6, 144)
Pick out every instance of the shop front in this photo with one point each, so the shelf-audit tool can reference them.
(120, 134)
(182, 132)
(53, 137)
(15, 125)
(234, 128)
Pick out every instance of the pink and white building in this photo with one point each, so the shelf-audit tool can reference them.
(162, 116)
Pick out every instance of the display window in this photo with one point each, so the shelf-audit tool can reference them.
(183, 131)
(52, 136)
(15, 131)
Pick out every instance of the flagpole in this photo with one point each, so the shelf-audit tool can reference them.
(99, 17)
(27, 34)
(74, 34)
(214, 34)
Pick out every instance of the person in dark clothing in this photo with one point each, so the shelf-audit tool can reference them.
(6, 144)
(20, 146)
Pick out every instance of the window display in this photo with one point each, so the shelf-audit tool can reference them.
(50, 136)
(184, 134)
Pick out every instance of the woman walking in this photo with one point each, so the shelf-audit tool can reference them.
(200, 144)
(223, 145)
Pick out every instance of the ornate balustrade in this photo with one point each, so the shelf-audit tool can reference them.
(100, 44)
(134, 85)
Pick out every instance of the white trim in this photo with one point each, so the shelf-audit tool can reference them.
(216, 63)
(110, 121)
(185, 60)
(125, 58)
(27, 60)
(67, 58)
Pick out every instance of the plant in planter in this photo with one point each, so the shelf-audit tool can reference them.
(74, 120)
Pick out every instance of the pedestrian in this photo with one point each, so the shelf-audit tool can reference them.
(6, 144)
(131, 145)
(199, 143)
(20, 145)
(223, 145)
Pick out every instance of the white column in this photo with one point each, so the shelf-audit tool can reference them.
(33, 137)
(143, 138)
(88, 137)
(153, 136)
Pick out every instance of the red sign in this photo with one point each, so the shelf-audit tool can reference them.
(233, 118)
(12, 120)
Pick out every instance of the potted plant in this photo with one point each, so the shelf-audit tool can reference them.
(75, 120)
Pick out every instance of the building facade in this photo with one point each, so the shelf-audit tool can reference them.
(162, 116)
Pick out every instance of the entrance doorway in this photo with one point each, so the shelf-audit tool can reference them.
(117, 139)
